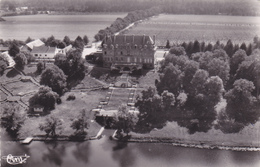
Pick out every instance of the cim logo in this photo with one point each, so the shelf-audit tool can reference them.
(15, 160)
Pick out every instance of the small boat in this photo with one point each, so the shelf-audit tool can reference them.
(28, 140)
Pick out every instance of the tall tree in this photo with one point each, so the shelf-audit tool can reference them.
(85, 40)
(72, 64)
(67, 41)
(242, 106)
(11, 118)
(54, 78)
(20, 61)
(124, 120)
(80, 124)
(51, 125)
(44, 97)
(13, 50)
(236, 60)
(168, 44)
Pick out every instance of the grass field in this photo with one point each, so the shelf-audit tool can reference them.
(185, 28)
(21, 87)
(66, 111)
(119, 97)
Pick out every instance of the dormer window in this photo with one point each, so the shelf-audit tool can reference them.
(135, 46)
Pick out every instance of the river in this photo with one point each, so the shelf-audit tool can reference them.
(108, 153)
(38, 26)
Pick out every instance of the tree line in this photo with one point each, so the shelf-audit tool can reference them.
(191, 85)
(121, 23)
(212, 7)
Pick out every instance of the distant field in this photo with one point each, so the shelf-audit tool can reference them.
(185, 28)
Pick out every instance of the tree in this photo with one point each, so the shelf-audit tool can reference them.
(30, 58)
(85, 40)
(54, 78)
(28, 40)
(177, 50)
(243, 47)
(51, 125)
(170, 80)
(40, 67)
(196, 47)
(168, 44)
(44, 97)
(80, 124)
(67, 41)
(61, 45)
(13, 50)
(72, 64)
(217, 67)
(125, 121)
(189, 71)
(242, 106)
(198, 82)
(20, 61)
(11, 118)
(3, 66)
(168, 100)
(236, 60)
(49, 40)
(78, 44)
(229, 48)
(227, 124)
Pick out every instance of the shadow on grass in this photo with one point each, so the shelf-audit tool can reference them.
(12, 73)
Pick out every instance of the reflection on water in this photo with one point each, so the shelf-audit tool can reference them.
(107, 153)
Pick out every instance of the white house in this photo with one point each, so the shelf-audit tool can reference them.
(45, 53)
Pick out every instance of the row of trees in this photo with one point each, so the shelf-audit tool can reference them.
(229, 7)
(229, 47)
(190, 87)
(121, 23)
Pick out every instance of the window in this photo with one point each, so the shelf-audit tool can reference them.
(36, 55)
(105, 52)
(45, 55)
(121, 52)
(116, 58)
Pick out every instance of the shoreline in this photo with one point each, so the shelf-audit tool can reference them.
(158, 140)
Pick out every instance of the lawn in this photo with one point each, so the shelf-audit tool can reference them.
(67, 111)
(88, 82)
(119, 96)
(2, 96)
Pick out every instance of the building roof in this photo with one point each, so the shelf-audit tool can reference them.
(10, 60)
(3, 48)
(35, 43)
(43, 49)
(131, 39)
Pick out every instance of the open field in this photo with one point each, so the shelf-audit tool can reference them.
(185, 28)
